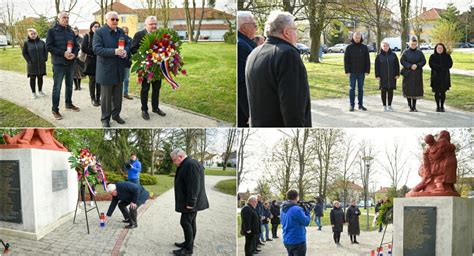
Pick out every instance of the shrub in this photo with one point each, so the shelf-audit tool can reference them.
(147, 179)
(230, 37)
(113, 177)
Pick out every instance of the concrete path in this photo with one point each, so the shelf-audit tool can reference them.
(159, 228)
(335, 113)
(15, 88)
(322, 243)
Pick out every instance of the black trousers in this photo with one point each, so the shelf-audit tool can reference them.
(411, 103)
(188, 223)
(33, 83)
(128, 214)
(440, 97)
(94, 89)
(250, 244)
(155, 94)
(111, 101)
(337, 237)
(387, 94)
(274, 230)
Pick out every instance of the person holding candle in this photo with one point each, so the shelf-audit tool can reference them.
(150, 27)
(110, 71)
(62, 45)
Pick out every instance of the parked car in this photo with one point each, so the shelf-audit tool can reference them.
(338, 48)
(394, 42)
(325, 48)
(467, 45)
(372, 47)
(303, 48)
(425, 46)
(3, 40)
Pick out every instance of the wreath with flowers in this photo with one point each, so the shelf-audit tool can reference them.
(88, 168)
(159, 57)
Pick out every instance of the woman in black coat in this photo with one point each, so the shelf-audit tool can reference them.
(275, 211)
(78, 65)
(387, 71)
(412, 61)
(440, 63)
(90, 64)
(352, 217)
(35, 53)
(337, 221)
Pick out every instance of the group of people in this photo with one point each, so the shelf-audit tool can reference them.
(99, 56)
(273, 88)
(189, 189)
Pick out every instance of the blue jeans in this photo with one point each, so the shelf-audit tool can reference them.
(267, 230)
(126, 80)
(359, 78)
(317, 219)
(136, 181)
(61, 72)
(296, 250)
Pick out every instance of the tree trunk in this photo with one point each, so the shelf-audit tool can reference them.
(198, 33)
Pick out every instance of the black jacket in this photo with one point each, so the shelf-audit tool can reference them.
(91, 60)
(337, 219)
(412, 79)
(319, 210)
(250, 221)
(387, 68)
(352, 217)
(277, 86)
(128, 192)
(137, 39)
(110, 68)
(275, 210)
(356, 58)
(36, 55)
(189, 187)
(245, 46)
(56, 43)
(440, 76)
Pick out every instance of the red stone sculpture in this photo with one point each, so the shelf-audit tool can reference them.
(438, 170)
(33, 138)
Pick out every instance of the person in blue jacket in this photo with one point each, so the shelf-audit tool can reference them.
(319, 212)
(294, 220)
(134, 168)
(126, 193)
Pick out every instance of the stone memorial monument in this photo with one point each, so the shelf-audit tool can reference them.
(433, 219)
(38, 191)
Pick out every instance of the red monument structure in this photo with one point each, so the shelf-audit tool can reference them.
(33, 138)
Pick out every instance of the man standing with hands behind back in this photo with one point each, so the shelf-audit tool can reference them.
(150, 27)
(190, 197)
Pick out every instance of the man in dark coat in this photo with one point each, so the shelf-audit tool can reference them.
(440, 64)
(277, 83)
(250, 226)
(35, 53)
(259, 210)
(275, 210)
(126, 193)
(337, 222)
(150, 27)
(110, 71)
(356, 66)
(247, 29)
(62, 58)
(190, 197)
(319, 212)
(352, 217)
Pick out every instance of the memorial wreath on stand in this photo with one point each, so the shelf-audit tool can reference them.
(88, 169)
(159, 57)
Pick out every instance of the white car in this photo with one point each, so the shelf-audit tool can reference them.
(338, 48)
(3, 40)
(425, 46)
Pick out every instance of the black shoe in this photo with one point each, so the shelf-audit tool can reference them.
(159, 112)
(438, 109)
(260, 243)
(119, 120)
(105, 124)
(412, 110)
(145, 115)
(355, 242)
(441, 109)
(351, 109)
(72, 108)
(362, 108)
(180, 245)
(415, 110)
(93, 103)
(257, 250)
(269, 240)
(182, 251)
(126, 221)
(97, 102)
(128, 97)
(131, 226)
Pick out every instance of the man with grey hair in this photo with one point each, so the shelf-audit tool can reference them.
(190, 197)
(277, 83)
(356, 66)
(110, 70)
(247, 28)
(61, 43)
(150, 27)
(250, 225)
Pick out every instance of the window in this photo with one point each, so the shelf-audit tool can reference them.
(124, 19)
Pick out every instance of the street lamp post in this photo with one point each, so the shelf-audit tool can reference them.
(367, 160)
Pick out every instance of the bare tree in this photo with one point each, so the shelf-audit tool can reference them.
(9, 20)
(103, 9)
(404, 15)
(190, 139)
(349, 157)
(231, 134)
(244, 135)
(155, 143)
(375, 14)
(304, 155)
(64, 5)
(280, 167)
(417, 21)
(165, 12)
(395, 164)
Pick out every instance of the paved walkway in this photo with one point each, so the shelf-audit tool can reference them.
(335, 113)
(322, 243)
(15, 88)
(158, 228)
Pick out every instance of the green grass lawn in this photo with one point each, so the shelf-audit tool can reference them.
(208, 88)
(22, 117)
(227, 186)
(328, 80)
(220, 172)
(165, 182)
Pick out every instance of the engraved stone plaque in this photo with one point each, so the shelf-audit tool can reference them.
(10, 193)
(419, 231)
(59, 180)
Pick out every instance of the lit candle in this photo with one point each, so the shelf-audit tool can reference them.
(121, 43)
(69, 45)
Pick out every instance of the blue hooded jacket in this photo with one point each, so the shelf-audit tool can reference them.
(294, 221)
(135, 169)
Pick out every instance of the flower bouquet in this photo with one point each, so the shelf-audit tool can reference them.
(88, 168)
(158, 57)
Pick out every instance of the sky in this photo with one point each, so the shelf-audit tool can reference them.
(263, 141)
(81, 16)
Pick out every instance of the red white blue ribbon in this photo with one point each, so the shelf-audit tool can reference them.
(86, 173)
(166, 74)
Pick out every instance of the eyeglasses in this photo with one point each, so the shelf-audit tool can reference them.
(114, 19)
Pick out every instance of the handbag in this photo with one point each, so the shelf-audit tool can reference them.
(82, 56)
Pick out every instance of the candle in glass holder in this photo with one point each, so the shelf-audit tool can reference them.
(121, 43)
(69, 46)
